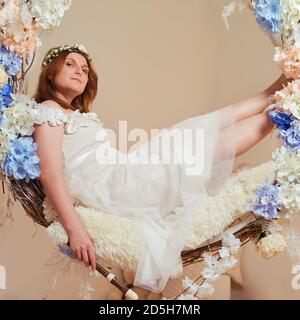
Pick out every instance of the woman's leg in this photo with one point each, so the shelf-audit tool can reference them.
(252, 106)
(249, 107)
(250, 123)
(246, 133)
(251, 131)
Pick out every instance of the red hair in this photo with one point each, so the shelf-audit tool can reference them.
(46, 88)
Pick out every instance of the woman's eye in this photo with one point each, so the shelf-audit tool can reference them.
(69, 64)
(85, 71)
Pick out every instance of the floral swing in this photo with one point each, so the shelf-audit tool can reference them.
(255, 203)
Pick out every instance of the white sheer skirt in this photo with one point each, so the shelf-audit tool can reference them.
(186, 164)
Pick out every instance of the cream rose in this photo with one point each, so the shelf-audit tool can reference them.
(290, 26)
(271, 245)
(49, 13)
(3, 77)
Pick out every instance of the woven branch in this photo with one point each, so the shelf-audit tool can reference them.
(31, 195)
(245, 234)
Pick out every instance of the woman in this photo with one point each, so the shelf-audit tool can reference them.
(68, 83)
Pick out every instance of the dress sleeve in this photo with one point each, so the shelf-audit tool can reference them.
(53, 116)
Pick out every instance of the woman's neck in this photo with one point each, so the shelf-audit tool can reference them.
(67, 100)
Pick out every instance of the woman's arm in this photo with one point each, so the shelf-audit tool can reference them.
(49, 140)
(254, 105)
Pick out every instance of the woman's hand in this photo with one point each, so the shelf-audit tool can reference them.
(49, 140)
(82, 246)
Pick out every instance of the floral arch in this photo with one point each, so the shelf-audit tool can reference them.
(269, 194)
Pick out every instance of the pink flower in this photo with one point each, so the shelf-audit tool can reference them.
(19, 30)
(288, 61)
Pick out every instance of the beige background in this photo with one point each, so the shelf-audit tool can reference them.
(159, 61)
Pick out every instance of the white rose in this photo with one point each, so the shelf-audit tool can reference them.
(4, 144)
(82, 48)
(20, 115)
(289, 196)
(49, 13)
(295, 110)
(3, 77)
(290, 16)
(286, 165)
(271, 245)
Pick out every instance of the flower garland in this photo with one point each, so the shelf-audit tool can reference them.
(56, 51)
(282, 196)
(276, 201)
(21, 22)
(281, 199)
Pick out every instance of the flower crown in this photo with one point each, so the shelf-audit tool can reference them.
(54, 52)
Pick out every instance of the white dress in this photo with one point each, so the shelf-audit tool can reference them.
(162, 196)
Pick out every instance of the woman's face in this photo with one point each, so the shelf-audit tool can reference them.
(71, 80)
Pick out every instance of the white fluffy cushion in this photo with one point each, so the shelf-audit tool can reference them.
(118, 240)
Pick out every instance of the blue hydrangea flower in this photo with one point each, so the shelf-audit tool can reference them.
(5, 98)
(268, 15)
(281, 119)
(11, 62)
(291, 137)
(267, 204)
(21, 161)
(2, 119)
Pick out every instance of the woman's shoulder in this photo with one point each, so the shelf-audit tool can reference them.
(53, 104)
(51, 112)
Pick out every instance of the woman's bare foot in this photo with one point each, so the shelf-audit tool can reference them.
(278, 85)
